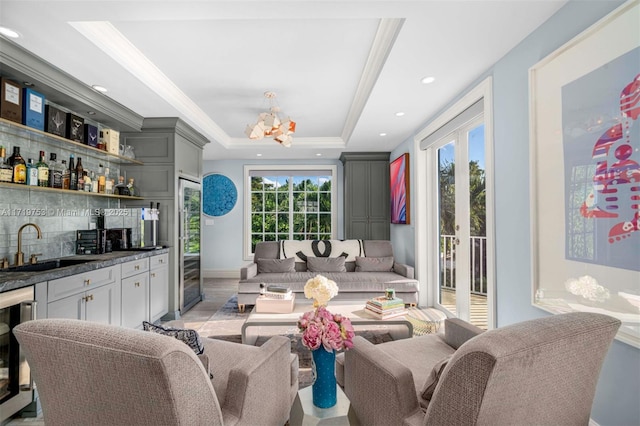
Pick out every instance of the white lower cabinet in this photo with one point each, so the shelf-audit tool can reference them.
(135, 293)
(91, 296)
(158, 286)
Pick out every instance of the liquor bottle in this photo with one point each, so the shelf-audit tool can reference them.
(133, 191)
(19, 166)
(55, 172)
(32, 173)
(87, 181)
(66, 177)
(73, 176)
(80, 174)
(102, 180)
(108, 184)
(121, 188)
(94, 182)
(43, 171)
(6, 171)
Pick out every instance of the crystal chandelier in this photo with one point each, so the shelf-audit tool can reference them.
(270, 124)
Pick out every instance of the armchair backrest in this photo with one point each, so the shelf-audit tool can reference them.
(542, 371)
(91, 374)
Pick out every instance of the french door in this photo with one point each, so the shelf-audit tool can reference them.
(458, 176)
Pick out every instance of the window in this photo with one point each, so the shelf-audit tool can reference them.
(289, 204)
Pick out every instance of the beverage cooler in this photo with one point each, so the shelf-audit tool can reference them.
(189, 209)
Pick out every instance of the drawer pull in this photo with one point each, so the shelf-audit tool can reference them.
(153, 275)
(137, 284)
(137, 267)
(87, 282)
(88, 298)
(161, 260)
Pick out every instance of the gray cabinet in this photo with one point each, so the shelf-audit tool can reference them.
(170, 149)
(91, 296)
(135, 293)
(366, 195)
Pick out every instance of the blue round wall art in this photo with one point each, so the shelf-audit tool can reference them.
(219, 195)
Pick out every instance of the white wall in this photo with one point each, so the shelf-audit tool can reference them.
(222, 241)
(616, 400)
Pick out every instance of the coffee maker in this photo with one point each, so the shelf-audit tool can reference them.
(150, 225)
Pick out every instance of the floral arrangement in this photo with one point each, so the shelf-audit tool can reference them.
(320, 327)
(588, 288)
(321, 290)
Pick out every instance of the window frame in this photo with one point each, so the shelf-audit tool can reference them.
(331, 170)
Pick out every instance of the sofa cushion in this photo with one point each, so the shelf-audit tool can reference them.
(434, 376)
(374, 264)
(189, 337)
(326, 264)
(276, 265)
(302, 250)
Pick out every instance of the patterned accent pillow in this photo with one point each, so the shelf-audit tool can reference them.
(190, 337)
(326, 264)
(277, 265)
(374, 264)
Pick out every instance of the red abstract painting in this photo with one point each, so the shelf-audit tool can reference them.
(399, 171)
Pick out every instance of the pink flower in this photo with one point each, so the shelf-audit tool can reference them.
(321, 327)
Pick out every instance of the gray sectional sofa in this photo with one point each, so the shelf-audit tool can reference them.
(362, 269)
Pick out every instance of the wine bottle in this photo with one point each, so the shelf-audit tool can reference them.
(80, 174)
(73, 177)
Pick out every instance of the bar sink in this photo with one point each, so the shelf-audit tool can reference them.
(44, 266)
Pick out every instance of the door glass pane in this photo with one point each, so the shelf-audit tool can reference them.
(477, 227)
(446, 228)
(191, 245)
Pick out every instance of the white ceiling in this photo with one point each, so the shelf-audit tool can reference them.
(340, 69)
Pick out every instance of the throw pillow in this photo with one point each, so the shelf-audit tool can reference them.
(190, 337)
(374, 264)
(277, 265)
(326, 264)
(434, 376)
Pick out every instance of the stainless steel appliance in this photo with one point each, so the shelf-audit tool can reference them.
(189, 209)
(91, 241)
(150, 225)
(120, 238)
(16, 386)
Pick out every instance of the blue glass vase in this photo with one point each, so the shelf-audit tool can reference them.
(324, 386)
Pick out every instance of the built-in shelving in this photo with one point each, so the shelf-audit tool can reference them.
(65, 191)
(54, 140)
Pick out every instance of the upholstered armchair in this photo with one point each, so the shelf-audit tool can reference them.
(95, 374)
(541, 372)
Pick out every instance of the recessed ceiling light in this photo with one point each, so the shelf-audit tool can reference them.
(258, 155)
(91, 112)
(399, 114)
(8, 32)
(27, 84)
(428, 80)
(99, 88)
(318, 155)
(383, 134)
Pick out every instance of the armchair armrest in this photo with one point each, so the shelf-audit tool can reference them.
(457, 331)
(381, 390)
(249, 271)
(258, 389)
(404, 270)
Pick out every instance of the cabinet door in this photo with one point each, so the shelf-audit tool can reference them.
(188, 159)
(135, 267)
(103, 304)
(72, 307)
(158, 293)
(135, 300)
(81, 282)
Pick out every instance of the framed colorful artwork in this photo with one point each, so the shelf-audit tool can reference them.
(219, 195)
(585, 173)
(399, 173)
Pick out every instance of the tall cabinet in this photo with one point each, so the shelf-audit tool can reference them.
(366, 195)
(171, 150)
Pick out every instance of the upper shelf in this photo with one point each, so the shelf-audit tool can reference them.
(49, 138)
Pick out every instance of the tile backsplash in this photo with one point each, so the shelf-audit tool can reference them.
(59, 216)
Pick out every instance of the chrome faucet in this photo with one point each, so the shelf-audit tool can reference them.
(19, 254)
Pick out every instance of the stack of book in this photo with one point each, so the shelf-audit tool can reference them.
(383, 308)
(275, 299)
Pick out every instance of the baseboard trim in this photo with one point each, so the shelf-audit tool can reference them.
(593, 422)
(221, 273)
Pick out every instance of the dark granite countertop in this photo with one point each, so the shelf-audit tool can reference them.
(15, 280)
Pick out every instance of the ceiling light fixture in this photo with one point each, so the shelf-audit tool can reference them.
(428, 80)
(8, 32)
(99, 88)
(399, 114)
(383, 134)
(270, 124)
